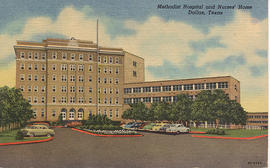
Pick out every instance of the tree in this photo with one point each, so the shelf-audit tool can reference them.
(238, 114)
(137, 111)
(181, 109)
(160, 111)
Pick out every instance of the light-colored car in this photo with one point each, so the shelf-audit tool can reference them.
(158, 126)
(177, 128)
(38, 130)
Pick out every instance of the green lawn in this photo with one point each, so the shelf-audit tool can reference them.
(235, 133)
(7, 137)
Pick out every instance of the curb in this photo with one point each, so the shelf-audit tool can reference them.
(105, 135)
(57, 126)
(26, 142)
(218, 137)
(196, 132)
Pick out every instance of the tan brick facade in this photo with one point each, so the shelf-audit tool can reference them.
(258, 119)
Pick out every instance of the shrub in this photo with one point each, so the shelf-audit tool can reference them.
(20, 135)
(98, 127)
(216, 131)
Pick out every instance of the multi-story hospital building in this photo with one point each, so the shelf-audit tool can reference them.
(78, 78)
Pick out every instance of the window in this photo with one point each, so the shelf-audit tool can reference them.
(29, 88)
(64, 78)
(90, 68)
(199, 86)
(90, 99)
(127, 100)
(147, 99)
(42, 78)
(30, 67)
(81, 67)
(35, 99)
(116, 113)
(117, 60)
(53, 67)
(222, 85)
(98, 69)
(110, 100)
(98, 90)
(63, 88)
(80, 89)
(80, 78)
(90, 90)
(105, 112)
(90, 57)
(156, 99)
(35, 88)
(105, 100)
(188, 87)
(54, 77)
(22, 77)
(110, 70)
(156, 89)
(22, 66)
(71, 114)
(98, 79)
(43, 89)
(116, 101)
(105, 59)
(127, 90)
(22, 55)
(136, 100)
(72, 100)
(72, 88)
(110, 80)
(72, 57)
(29, 77)
(43, 67)
(30, 55)
(90, 79)
(35, 66)
(99, 100)
(167, 98)
(137, 90)
(22, 88)
(99, 59)
(36, 78)
(116, 91)
(29, 99)
(116, 70)
(63, 67)
(54, 55)
(110, 113)
(110, 90)
(111, 60)
(134, 63)
(43, 56)
(35, 113)
(72, 67)
(105, 70)
(42, 99)
(210, 85)
(54, 88)
(105, 90)
(80, 114)
(105, 80)
(174, 98)
(36, 56)
(53, 113)
(64, 99)
(134, 74)
(146, 89)
(53, 99)
(64, 56)
(116, 81)
(81, 57)
(166, 88)
(72, 78)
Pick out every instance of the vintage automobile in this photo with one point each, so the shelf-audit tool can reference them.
(177, 128)
(158, 126)
(38, 130)
(129, 125)
(149, 126)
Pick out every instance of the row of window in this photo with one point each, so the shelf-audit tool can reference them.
(257, 116)
(72, 89)
(258, 122)
(154, 99)
(72, 57)
(199, 86)
(80, 113)
(72, 68)
(73, 100)
(31, 77)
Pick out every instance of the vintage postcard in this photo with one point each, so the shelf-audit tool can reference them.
(139, 84)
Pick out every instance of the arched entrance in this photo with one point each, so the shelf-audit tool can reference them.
(71, 114)
(63, 113)
(80, 114)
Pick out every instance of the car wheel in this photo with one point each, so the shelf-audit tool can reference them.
(49, 135)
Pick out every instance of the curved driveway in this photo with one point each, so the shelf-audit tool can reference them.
(72, 149)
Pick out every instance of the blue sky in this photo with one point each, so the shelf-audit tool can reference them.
(174, 44)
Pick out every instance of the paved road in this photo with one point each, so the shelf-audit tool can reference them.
(72, 149)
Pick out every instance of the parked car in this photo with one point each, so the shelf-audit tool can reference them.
(38, 130)
(158, 126)
(178, 128)
(129, 125)
(137, 125)
(164, 127)
(149, 126)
